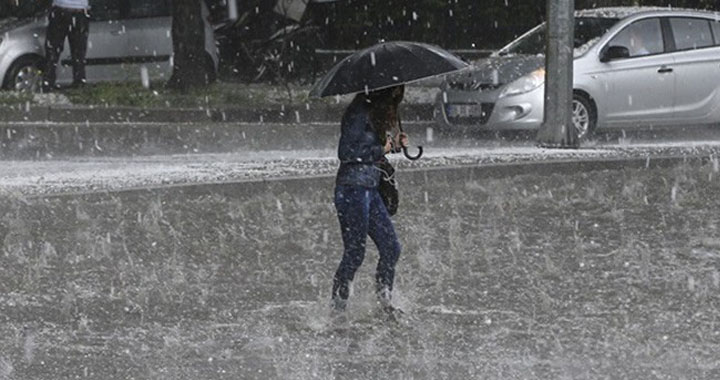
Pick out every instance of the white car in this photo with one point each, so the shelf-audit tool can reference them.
(633, 67)
(126, 39)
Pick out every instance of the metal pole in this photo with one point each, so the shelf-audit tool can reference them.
(557, 130)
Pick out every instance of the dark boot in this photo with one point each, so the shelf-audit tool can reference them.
(384, 296)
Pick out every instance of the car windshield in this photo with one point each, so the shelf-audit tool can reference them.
(588, 31)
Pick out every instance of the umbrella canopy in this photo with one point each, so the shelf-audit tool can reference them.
(385, 65)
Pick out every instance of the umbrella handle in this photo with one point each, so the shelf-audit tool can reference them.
(413, 158)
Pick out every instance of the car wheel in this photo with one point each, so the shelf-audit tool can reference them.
(24, 75)
(583, 116)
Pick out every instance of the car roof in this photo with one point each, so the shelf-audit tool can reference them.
(624, 12)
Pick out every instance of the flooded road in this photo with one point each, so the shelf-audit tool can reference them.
(588, 275)
(610, 273)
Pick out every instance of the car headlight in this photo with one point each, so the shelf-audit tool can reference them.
(525, 83)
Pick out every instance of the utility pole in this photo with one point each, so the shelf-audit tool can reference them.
(557, 130)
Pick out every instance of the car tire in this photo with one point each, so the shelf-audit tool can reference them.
(25, 75)
(584, 116)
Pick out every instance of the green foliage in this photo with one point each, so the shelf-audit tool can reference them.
(14, 98)
(215, 95)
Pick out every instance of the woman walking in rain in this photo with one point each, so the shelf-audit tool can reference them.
(364, 142)
(377, 75)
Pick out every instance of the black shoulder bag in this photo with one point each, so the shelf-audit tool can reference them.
(388, 186)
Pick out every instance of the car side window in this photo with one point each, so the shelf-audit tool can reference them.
(716, 31)
(148, 8)
(691, 33)
(105, 10)
(641, 38)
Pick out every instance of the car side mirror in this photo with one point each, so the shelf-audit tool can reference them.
(614, 52)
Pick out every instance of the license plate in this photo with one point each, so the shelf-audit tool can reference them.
(463, 110)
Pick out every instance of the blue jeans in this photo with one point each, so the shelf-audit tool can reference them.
(361, 212)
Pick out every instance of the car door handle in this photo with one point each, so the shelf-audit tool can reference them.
(665, 69)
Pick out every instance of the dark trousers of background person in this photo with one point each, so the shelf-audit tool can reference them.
(73, 24)
(362, 213)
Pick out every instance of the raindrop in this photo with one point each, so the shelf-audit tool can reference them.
(144, 76)
(673, 193)
(297, 116)
(372, 58)
(429, 134)
(691, 283)
(415, 16)
(450, 12)
(630, 100)
(232, 10)
(444, 95)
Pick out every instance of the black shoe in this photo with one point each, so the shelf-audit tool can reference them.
(391, 313)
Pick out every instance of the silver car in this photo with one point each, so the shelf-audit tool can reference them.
(129, 41)
(633, 67)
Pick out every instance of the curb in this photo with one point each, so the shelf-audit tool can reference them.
(290, 114)
(415, 178)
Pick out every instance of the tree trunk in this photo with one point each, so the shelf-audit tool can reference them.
(190, 67)
(557, 130)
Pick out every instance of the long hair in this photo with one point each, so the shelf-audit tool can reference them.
(384, 110)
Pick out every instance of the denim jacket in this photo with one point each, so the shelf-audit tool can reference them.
(359, 147)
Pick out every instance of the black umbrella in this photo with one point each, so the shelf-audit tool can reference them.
(384, 65)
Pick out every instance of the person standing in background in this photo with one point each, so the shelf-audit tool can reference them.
(67, 18)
